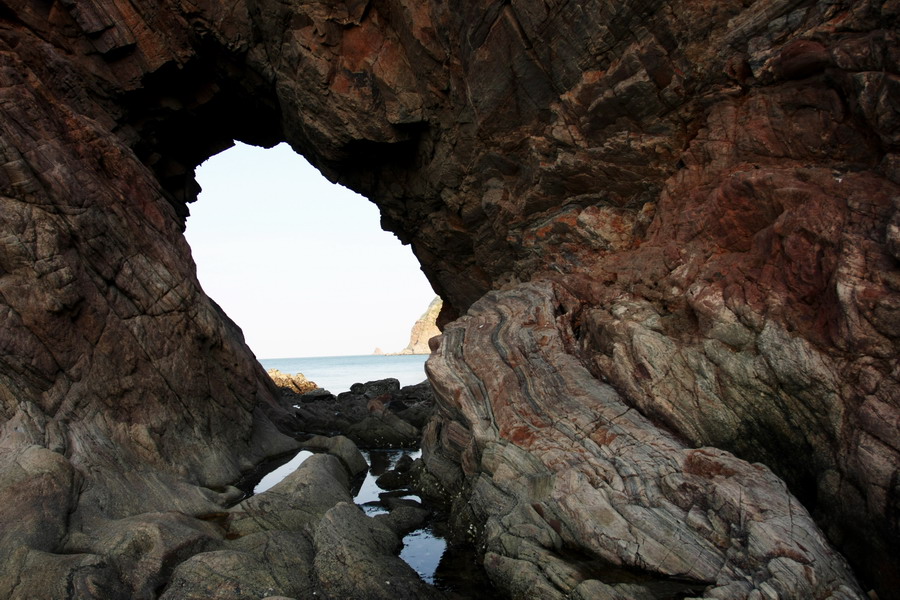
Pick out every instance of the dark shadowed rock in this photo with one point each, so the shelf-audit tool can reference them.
(373, 389)
(317, 395)
(384, 430)
(404, 519)
(376, 414)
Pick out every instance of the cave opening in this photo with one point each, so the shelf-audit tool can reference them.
(299, 263)
(304, 268)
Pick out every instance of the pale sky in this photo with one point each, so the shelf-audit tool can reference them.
(300, 264)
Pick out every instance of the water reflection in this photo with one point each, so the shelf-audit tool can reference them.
(454, 567)
(273, 477)
(380, 462)
(423, 550)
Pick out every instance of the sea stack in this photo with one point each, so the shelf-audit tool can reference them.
(424, 329)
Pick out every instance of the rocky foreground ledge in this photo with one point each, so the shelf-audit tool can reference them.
(303, 538)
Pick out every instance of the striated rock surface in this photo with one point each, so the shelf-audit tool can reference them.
(565, 467)
(689, 210)
(424, 329)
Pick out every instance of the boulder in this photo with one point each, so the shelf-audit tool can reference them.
(294, 503)
(344, 449)
(291, 385)
(347, 537)
(376, 414)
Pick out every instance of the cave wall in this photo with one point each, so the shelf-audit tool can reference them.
(712, 188)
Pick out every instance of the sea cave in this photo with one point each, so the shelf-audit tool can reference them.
(667, 240)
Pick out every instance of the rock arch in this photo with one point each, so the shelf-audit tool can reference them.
(685, 211)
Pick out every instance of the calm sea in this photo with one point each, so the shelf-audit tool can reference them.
(337, 373)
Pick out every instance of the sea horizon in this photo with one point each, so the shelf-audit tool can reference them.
(338, 356)
(337, 373)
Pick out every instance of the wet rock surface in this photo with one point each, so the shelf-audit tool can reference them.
(702, 198)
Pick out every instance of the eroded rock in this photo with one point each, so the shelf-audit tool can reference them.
(291, 385)
(564, 465)
(714, 186)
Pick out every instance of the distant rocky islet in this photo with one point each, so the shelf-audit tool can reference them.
(422, 331)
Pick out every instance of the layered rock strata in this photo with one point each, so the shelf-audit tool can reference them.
(564, 466)
(710, 189)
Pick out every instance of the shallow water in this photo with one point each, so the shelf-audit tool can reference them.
(453, 568)
(422, 548)
(273, 477)
(380, 462)
(423, 551)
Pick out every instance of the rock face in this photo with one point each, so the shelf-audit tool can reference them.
(424, 329)
(688, 213)
(566, 466)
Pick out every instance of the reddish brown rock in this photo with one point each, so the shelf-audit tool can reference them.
(713, 185)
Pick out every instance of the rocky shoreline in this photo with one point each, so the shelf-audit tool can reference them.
(717, 526)
(377, 414)
(380, 417)
(295, 539)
